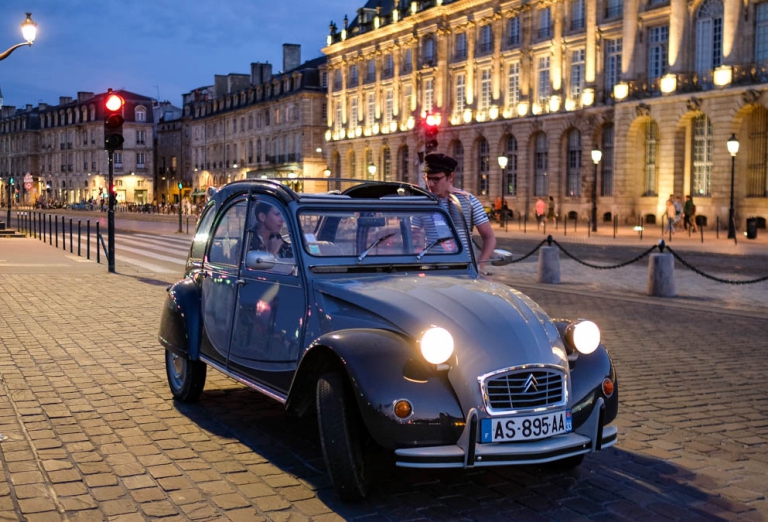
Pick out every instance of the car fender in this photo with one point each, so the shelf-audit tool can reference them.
(180, 324)
(587, 373)
(383, 367)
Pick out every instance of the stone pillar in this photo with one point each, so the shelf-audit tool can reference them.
(677, 22)
(549, 265)
(661, 275)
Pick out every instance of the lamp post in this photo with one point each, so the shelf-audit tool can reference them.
(327, 174)
(28, 31)
(733, 149)
(371, 170)
(503, 161)
(597, 155)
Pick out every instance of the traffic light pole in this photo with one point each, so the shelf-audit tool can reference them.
(111, 214)
(8, 191)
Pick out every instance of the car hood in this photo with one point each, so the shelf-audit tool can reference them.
(493, 325)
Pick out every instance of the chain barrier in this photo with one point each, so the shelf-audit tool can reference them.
(598, 267)
(713, 278)
(529, 254)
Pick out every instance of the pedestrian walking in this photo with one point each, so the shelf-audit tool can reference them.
(551, 209)
(541, 209)
(689, 214)
(671, 213)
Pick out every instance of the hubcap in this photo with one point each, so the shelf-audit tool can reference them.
(178, 368)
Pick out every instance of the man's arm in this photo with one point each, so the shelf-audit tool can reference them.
(489, 241)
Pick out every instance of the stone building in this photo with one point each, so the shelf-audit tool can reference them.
(19, 147)
(261, 125)
(658, 86)
(62, 147)
(172, 154)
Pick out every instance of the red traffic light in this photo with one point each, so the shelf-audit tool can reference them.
(114, 102)
(432, 120)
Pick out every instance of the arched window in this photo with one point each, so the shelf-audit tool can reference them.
(510, 172)
(483, 167)
(709, 36)
(352, 165)
(429, 50)
(141, 114)
(650, 160)
(541, 165)
(701, 166)
(458, 174)
(757, 159)
(606, 164)
(573, 179)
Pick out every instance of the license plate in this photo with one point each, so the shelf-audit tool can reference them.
(526, 427)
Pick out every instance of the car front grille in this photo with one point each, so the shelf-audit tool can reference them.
(525, 389)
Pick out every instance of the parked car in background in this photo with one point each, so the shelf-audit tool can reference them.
(365, 308)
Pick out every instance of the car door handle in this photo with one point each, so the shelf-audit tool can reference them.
(240, 282)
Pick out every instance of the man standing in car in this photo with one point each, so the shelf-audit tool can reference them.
(438, 175)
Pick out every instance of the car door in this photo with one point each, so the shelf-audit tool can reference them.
(220, 279)
(271, 308)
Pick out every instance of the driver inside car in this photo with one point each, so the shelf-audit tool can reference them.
(267, 234)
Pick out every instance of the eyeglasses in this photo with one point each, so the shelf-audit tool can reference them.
(434, 179)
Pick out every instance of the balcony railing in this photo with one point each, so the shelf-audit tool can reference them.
(545, 32)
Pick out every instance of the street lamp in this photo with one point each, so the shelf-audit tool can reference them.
(597, 155)
(503, 161)
(733, 149)
(327, 174)
(28, 31)
(371, 170)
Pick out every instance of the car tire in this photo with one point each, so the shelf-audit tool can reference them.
(342, 434)
(186, 378)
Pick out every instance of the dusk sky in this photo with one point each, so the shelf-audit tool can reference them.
(158, 48)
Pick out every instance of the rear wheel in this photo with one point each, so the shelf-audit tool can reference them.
(342, 435)
(186, 378)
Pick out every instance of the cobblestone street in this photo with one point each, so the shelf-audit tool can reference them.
(91, 431)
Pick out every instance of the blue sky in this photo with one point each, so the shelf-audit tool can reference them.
(158, 48)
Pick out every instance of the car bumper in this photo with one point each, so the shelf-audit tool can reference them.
(467, 452)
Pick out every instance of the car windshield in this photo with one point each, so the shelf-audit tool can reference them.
(365, 233)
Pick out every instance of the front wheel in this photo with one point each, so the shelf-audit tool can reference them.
(186, 378)
(342, 434)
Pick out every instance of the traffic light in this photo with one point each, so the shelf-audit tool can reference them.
(431, 128)
(11, 181)
(48, 187)
(113, 121)
(180, 185)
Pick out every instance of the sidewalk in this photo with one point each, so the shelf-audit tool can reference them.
(627, 236)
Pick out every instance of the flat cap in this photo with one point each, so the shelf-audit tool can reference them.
(437, 162)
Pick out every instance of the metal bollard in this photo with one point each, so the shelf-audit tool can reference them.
(79, 223)
(98, 250)
(71, 248)
(88, 239)
(63, 234)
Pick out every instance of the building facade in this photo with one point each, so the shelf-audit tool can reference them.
(62, 148)
(658, 86)
(172, 155)
(261, 125)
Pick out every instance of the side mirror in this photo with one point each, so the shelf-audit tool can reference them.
(259, 260)
(501, 257)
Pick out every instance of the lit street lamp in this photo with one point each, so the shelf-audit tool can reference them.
(597, 155)
(503, 161)
(327, 174)
(28, 31)
(371, 170)
(733, 149)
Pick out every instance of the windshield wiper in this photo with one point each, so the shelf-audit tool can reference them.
(434, 243)
(374, 245)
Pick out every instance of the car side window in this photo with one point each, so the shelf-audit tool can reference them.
(227, 240)
(201, 235)
(268, 231)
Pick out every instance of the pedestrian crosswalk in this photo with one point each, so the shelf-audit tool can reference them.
(154, 253)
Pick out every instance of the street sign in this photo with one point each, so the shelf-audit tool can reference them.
(28, 185)
(27, 179)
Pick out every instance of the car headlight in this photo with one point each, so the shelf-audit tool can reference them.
(437, 345)
(583, 335)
